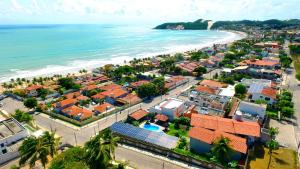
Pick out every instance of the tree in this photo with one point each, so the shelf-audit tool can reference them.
(159, 82)
(37, 149)
(22, 116)
(147, 90)
(200, 71)
(272, 145)
(30, 103)
(110, 140)
(273, 132)
(240, 89)
(73, 158)
(182, 143)
(66, 82)
(221, 149)
(287, 111)
(51, 142)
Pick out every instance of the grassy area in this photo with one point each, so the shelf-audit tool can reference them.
(191, 154)
(176, 132)
(296, 59)
(281, 159)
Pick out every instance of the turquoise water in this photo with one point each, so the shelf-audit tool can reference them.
(151, 127)
(34, 50)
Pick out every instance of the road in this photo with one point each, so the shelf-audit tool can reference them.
(78, 136)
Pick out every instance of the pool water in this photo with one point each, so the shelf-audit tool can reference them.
(151, 127)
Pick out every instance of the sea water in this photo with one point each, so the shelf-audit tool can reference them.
(36, 50)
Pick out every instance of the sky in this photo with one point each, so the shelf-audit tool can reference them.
(142, 11)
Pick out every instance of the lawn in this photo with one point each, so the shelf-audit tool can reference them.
(176, 132)
(281, 159)
(296, 59)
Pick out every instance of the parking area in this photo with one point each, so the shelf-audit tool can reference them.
(10, 105)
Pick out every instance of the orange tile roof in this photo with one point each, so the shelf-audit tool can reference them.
(76, 111)
(214, 84)
(90, 87)
(66, 102)
(139, 83)
(226, 125)
(112, 86)
(270, 92)
(161, 117)
(103, 107)
(208, 136)
(205, 89)
(137, 115)
(260, 62)
(72, 95)
(130, 98)
(81, 97)
(34, 87)
(98, 96)
(114, 93)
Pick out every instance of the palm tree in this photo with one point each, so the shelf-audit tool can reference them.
(110, 140)
(272, 145)
(33, 149)
(51, 142)
(221, 149)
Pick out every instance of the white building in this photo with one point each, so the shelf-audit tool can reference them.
(252, 111)
(259, 92)
(11, 134)
(170, 107)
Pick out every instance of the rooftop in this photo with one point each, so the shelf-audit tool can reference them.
(139, 114)
(77, 112)
(161, 117)
(214, 84)
(9, 127)
(103, 107)
(171, 103)
(205, 89)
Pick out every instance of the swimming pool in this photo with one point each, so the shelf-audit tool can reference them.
(151, 127)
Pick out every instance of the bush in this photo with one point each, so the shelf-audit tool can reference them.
(287, 111)
(298, 76)
(240, 89)
(30, 103)
(22, 116)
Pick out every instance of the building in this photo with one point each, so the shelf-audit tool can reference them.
(202, 139)
(138, 115)
(103, 108)
(189, 66)
(247, 111)
(77, 113)
(175, 81)
(130, 99)
(11, 134)
(64, 104)
(171, 107)
(259, 92)
(261, 64)
(111, 96)
(135, 85)
(213, 84)
(32, 91)
(264, 82)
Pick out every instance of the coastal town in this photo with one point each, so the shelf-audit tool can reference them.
(232, 105)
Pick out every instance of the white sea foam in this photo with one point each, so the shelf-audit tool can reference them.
(115, 59)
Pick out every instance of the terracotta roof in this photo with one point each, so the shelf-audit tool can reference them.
(130, 98)
(205, 89)
(114, 93)
(270, 92)
(72, 95)
(214, 84)
(34, 87)
(103, 107)
(235, 105)
(226, 125)
(112, 86)
(208, 136)
(66, 102)
(98, 96)
(90, 87)
(81, 97)
(137, 115)
(161, 117)
(139, 83)
(260, 62)
(78, 112)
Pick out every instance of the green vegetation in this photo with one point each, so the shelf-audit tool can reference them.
(285, 61)
(272, 144)
(196, 25)
(22, 116)
(68, 83)
(200, 71)
(176, 132)
(196, 56)
(222, 150)
(285, 104)
(154, 88)
(38, 149)
(30, 103)
(240, 89)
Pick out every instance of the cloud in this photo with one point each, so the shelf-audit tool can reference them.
(149, 10)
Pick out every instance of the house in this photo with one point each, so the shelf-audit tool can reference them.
(189, 66)
(171, 107)
(202, 139)
(130, 99)
(213, 84)
(258, 72)
(64, 104)
(111, 96)
(32, 91)
(77, 113)
(111, 86)
(135, 85)
(247, 129)
(72, 95)
(88, 88)
(103, 108)
(259, 92)
(162, 119)
(247, 111)
(175, 81)
(261, 64)
(82, 99)
(98, 97)
(264, 82)
(11, 135)
(206, 89)
(229, 91)
(138, 115)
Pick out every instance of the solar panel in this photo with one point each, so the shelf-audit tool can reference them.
(156, 138)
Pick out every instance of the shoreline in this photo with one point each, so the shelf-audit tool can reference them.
(120, 60)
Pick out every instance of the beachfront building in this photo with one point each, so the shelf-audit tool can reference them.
(11, 135)
(171, 107)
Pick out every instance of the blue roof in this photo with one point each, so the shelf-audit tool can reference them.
(255, 88)
(156, 138)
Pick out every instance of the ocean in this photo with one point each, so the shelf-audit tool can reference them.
(37, 50)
